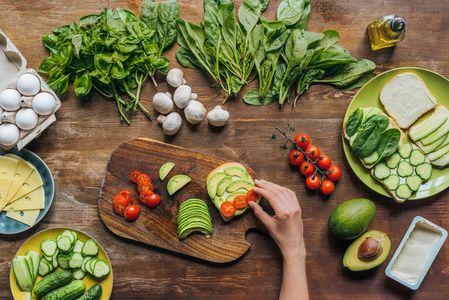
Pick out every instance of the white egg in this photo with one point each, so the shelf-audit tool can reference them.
(26, 119)
(9, 134)
(28, 84)
(44, 103)
(10, 99)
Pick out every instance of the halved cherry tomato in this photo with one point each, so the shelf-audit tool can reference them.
(134, 176)
(296, 157)
(119, 204)
(334, 173)
(302, 141)
(153, 200)
(313, 182)
(240, 201)
(251, 196)
(313, 152)
(145, 186)
(144, 196)
(132, 212)
(227, 209)
(327, 187)
(132, 201)
(126, 193)
(324, 162)
(142, 178)
(307, 168)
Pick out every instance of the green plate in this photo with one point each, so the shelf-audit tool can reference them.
(368, 96)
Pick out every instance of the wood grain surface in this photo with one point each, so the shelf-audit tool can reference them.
(78, 145)
(157, 227)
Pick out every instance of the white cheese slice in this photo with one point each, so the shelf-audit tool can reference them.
(23, 171)
(8, 167)
(33, 182)
(31, 201)
(27, 217)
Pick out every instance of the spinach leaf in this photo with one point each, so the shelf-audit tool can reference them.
(149, 14)
(389, 142)
(292, 11)
(350, 73)
(369, 136)
(252, 98)
(167, 13)
(361, 82)
(354, 122)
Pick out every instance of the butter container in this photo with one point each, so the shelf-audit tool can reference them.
(416, 253)
(24, 112)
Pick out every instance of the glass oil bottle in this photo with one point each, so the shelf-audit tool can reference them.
(386, 31)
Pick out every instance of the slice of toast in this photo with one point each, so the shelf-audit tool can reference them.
(406, 98)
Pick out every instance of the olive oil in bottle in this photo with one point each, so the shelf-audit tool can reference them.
(386, 31)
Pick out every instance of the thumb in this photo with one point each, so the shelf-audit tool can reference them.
(261, 214)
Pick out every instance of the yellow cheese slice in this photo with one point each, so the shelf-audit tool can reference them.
(23, 171)
(27, 217)
(8, 167)
(31, 201)
(33, 182)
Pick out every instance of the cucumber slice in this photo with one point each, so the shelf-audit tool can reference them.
(434, 146)
(85, 260)
(69, 234)
(371, 159)
(63, 260)
(413, 182)
(49, 247)
(381, 171)
(90, 265)
(417, 157)
(444, 143)
(438, 153)
(441, 131)
(76, 260)
(393, 160)
(101, 269)
(427, 126)
(43, 268)
(54, 260)
(78, 274)
(22, 273)
(165, 169)
(35, 258)
(90, 248)
(403, 191)
(392, 182)
(405, 169)
(405, 150)
(64, 244)
(78, 246)
(424, 171)
(442, 161)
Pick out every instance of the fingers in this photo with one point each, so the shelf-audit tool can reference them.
(261, 214)
(279, 197)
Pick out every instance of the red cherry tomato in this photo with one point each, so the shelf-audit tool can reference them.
(334, 173)
(327, 187)
(126, 193)
(143, 178)
(119, 204)
(324, 162)
(307, 168)
(251, 196)
(134, 176)
(313, 182)
(132, 212)
(296, 157)
(313, 152)
(145, 195)
(132, 201)
(240, 201)
(227, 209)
(145, 186)
(153, 200)
(302, 141)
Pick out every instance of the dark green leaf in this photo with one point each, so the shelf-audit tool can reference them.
(60, 84)
(148, 14)
(252, 98)
(368, 138)
(361, 82)
(82, 84)
(389, 142)
(90, 19)
(354, 122)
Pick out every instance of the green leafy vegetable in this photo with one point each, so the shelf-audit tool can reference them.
(252, 98)
(369, 136)
(388, 143)
(354, 122)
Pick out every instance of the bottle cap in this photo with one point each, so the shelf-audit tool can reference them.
(397, 24)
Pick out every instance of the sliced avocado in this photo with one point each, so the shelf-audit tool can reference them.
(198, 223)
(237, 171)
(177, 182)
(368, 251)
(218, 201)
(188, 231)
(193, 213)
(192, 201)
(165, 169)
(222, 185)
(213, 182)
(239, 184)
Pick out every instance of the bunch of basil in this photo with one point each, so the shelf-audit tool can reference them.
(113, 52)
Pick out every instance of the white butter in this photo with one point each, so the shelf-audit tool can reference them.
(415, 252)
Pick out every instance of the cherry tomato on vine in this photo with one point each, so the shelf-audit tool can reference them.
(251, 196)
(134, 176)
(143, 178)
(296, 157)
(145, 195)
(227, 209)
(153, 200)
(327, 187)
(313, 182)
(307, 168)
(324, 162)
(119, 204)
(145, 186)
(126, 193)
(302, 140)
(313, 152)
(132, 212)
(240, 201)
(334, 173)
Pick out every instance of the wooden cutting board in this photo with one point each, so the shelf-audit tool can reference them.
(157, 226)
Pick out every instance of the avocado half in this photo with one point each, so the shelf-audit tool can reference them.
(380, 242)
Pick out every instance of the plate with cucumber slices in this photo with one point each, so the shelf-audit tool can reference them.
(369, 97)
(60, 261)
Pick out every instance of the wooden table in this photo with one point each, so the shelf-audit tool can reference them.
(76, 149)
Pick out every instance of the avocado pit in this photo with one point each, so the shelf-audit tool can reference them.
(369, 249)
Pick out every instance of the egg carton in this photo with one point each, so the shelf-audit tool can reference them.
(12, 66)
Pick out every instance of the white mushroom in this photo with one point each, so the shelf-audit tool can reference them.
(170, 123)
(195, 112)
(218, 116)
(175, 77)
(182, 96)
(163, 103)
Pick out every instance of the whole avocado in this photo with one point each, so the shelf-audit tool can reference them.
(351, 218)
